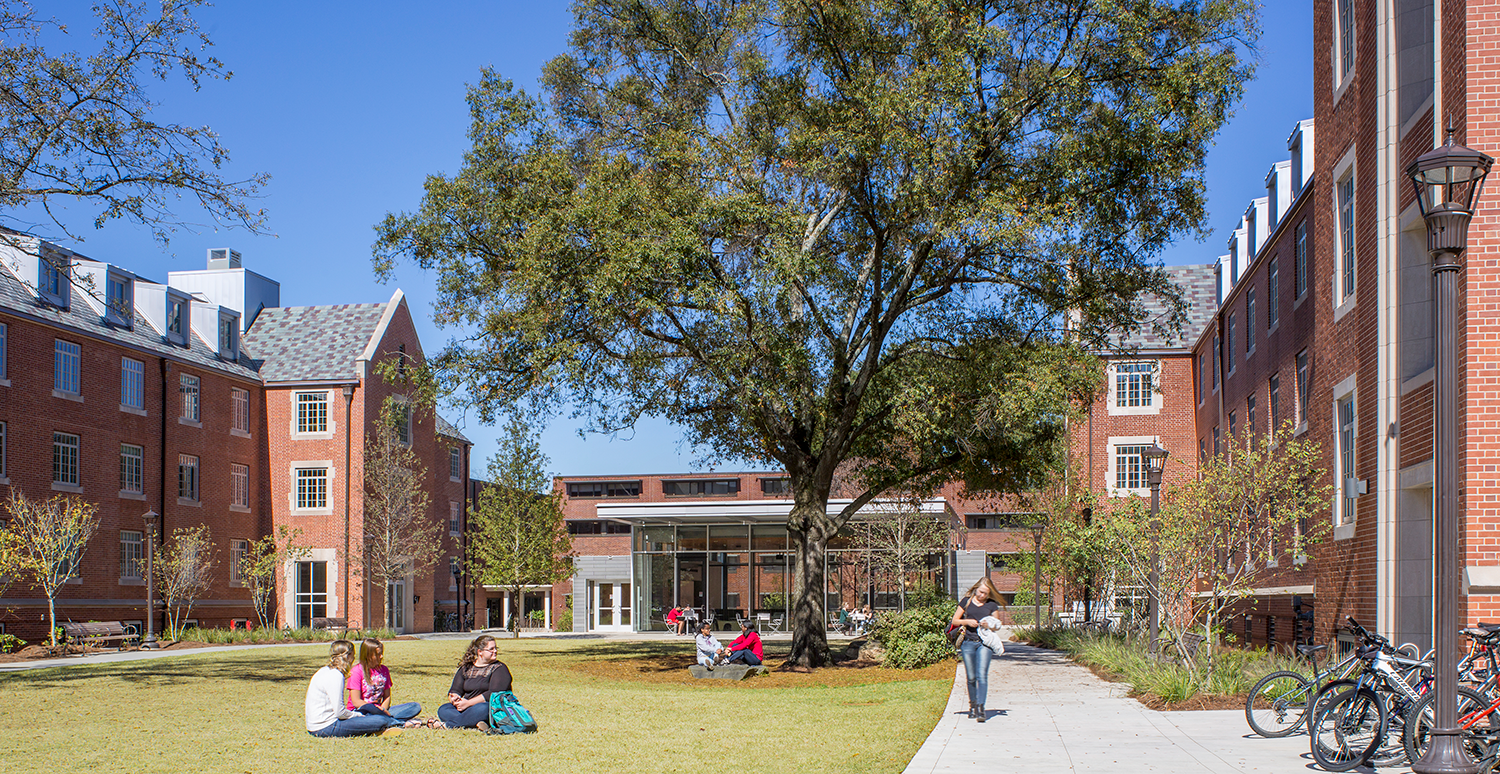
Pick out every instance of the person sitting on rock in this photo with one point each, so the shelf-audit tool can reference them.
(708, 646)
(746, 649)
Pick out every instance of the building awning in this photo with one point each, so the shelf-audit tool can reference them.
(749, 511)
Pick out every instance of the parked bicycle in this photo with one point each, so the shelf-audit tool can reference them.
(1359, 721)
(1277, 705)
(1478, 707)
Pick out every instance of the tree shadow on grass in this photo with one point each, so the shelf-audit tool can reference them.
(174, 671)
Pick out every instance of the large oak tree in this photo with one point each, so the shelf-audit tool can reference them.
(814, 232)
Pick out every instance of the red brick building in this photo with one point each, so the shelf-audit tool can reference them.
(140, 396)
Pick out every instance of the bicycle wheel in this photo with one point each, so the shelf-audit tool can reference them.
(1478, 737)
(1277, 705)
(1346, 732)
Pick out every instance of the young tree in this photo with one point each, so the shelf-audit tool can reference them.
(264, 565)
(1247, 514)
(184, 572)
(809, 235)
(49, 538)
(517, 537)
(80, 126)
(401, 537)
(897, 537)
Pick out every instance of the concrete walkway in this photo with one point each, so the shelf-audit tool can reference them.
(1047, 714)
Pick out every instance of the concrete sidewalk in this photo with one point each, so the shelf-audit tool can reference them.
(1047, 714)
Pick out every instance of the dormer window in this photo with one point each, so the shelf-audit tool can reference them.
(53, 281)
(119, 301)
(229, 336)
(177, 311)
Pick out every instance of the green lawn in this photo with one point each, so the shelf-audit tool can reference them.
(603, 706)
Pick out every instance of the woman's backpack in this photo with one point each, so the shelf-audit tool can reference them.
(507, 716)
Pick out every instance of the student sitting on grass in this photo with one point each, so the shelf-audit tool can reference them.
(479, 674)
(746, 648)
(708, 647)
(325, 710)
(370, 686)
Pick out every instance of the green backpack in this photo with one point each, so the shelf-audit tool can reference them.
(507, 716)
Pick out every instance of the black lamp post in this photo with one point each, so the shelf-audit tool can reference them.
(1036, 574)
(1448, 180)
(149, 641)
(1155, 458)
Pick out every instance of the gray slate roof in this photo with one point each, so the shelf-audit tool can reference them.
(311, 343)
(1200, 290)
(19, 299)
(446, 428)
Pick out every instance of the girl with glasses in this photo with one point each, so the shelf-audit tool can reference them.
(479, 674)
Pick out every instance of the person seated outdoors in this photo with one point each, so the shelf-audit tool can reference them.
(479, 674)
(708, 646)
(674, 620)
(325, 712)
(844, 618)
(746, 649)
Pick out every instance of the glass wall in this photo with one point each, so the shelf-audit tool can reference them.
(729, 571)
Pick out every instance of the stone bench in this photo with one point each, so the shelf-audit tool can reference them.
(727, 671)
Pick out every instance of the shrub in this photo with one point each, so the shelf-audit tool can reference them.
(925, 593)
(10, 642)
(563, 621)
(914, 639)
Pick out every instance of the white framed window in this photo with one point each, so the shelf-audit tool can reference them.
(1218, 444)
(311, 413)
(66, 363)
(52, 280)
(239, 485)
(1273, 295)
(1273, 390)
(188, 388)
(1249, 321)
(1304, 387)
(455, 463)
(1346, 434)
(1132, 387)
(4, 348)
(177, 311)
(311, 491)
(453, 519)
(1229, 341)
(132, 554)
(1344, 190)
(1299, 278)
(132, 465)
(65, 459)
(238, 551)
(132, 384)
(1232, 424)
(187, 477)
(240, 400)
(1127, 465)
(1343, 43)
(4, 476)
(403, 423)
(452, 573)
(1202, 378)
(229, 336)
(1217, 365)
(119, 301)
(1250, 412)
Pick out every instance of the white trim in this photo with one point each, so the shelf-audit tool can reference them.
(1389, 179)
(1110, 471)
(373, 345)
(328, 412)
(1346, 168)
(1341, 81)
(292, 468)
(1112, 388)
(1341, 391)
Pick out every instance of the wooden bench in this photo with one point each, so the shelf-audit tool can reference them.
(331, 624)
(95, 634)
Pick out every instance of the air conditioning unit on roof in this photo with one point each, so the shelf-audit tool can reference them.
(223, 258)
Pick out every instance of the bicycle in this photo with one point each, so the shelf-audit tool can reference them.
(1478, 716)
(1277, 705)
(1352, 720)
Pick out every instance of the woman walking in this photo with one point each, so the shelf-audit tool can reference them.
(979, 603)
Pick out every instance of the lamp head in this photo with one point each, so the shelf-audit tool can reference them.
(1448, 181)
(150, 517)
(1156, 461)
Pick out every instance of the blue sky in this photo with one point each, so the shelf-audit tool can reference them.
(350, 106)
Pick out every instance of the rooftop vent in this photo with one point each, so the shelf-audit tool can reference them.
(223, 258)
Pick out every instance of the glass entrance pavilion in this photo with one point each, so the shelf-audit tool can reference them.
(730, 560)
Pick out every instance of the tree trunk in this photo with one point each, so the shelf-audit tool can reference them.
(809, 621)
(52, 618)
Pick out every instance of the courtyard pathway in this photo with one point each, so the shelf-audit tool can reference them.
(1049, 715)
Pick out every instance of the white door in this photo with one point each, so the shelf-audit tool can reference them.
(611, 607)
(395, 606)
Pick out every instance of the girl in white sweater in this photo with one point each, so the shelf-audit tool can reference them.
(326, 713)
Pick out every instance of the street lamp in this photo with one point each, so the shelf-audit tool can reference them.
(1448, 180)
(1155, 458)
(149, 642)
(1036, 574)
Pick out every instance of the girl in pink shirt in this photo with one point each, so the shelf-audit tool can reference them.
(369, 686)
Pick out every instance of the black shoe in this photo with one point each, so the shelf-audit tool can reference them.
(979, 708)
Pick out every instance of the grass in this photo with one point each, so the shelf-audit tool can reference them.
(1234, 671)
(602, 706)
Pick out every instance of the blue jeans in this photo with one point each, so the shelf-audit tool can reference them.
(356, 726)
(398, 713)
(977, 667)
(747, 657)
(469, 718)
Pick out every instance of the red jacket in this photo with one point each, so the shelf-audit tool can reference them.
(748, 641)
(674, 615)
